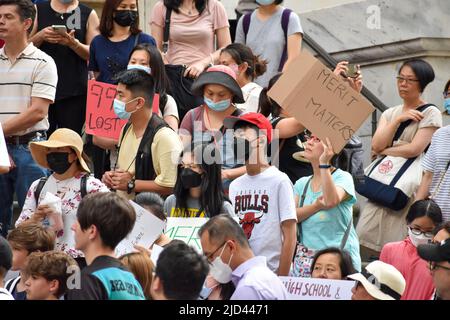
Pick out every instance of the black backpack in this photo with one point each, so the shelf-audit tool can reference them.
(43, 180)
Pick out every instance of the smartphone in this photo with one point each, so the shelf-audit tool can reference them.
(352, 71)
(61, 29)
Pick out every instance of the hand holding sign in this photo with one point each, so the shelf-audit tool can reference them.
(100, 117)
(4, 156)
(320, 100)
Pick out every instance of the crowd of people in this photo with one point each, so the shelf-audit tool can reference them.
(202, 139)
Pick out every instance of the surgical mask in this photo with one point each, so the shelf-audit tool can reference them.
(125, 18)
(418, 240)
(447, 105)
(190, 178)
(265, 2)
(218, 106)
(139, 67)
(120, 109)
(242, 148)
(221, 271)
(58, 162)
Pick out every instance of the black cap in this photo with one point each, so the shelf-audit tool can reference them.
(435, 252)
(5, 254)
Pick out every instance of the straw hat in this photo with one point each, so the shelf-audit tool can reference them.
(381, 280)
(60, 138)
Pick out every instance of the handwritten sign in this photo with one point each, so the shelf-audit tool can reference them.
(323, 102)
(4, 157)
(146, 230)
(186, 230)
(317, 289)
(100, 117)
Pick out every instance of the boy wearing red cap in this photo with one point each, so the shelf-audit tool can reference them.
(263, 198)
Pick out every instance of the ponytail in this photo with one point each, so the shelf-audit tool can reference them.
(266, 105)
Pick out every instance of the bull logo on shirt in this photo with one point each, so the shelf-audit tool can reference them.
(248, 221)
(250, 209)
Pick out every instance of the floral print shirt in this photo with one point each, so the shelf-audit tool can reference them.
(70, 194)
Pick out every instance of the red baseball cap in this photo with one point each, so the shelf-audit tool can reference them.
(254, 118)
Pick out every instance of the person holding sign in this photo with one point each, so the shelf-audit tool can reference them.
(29, 78)
(70, 181)
(148, 147)
(324, 203)
(404, 132)
(198, 192)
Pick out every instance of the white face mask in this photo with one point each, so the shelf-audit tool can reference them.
(417, 240)
(219, 270)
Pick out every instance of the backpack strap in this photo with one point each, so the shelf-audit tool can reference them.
(246, 24)
(125, 129)
(11, 284)
(136, 39)
(302, 201)
(39, 188)
(165, 44)
(284, 25)
(83, 185)
(346, 234)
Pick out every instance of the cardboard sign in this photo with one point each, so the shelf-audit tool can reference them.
(4, 157)
(186, 230)
(323, 102)
(318, 289)
(146, 230)
(100, 117)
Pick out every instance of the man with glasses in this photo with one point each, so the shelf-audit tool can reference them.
(438, 255)
(230, 258)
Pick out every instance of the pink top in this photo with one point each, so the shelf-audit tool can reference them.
(191, 36)
(403, 256)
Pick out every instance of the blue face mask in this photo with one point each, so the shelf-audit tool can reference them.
(139, 67)
(120, 109)
(447, 105)
(218, 106)
(265, 2)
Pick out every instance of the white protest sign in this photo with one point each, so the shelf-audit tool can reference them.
(186, 230)
(4, 157)
(156, 251)
(318, 289)
(146, 230)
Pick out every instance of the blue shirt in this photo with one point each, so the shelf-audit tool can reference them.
(255, 281)
(326, 228)
(109, 58)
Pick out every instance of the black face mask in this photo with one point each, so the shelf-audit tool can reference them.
(241, 145)
(58, 162)
(125, 18)
(190, 178)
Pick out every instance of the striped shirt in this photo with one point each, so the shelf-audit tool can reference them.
(33, 74)
(435, 161)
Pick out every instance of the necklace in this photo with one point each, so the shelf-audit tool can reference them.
(191, 9)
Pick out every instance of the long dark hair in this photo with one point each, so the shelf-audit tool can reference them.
(158, 71)
(241, 53)
(266, 105)
(107, 20)
(200, 5)
(212, 196)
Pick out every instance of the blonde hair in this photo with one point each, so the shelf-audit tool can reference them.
(142, 267)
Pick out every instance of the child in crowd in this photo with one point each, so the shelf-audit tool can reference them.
(48, 275)
(5, 265)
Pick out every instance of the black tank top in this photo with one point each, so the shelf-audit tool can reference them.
(72, 70)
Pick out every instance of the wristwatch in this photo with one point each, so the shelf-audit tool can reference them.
(324, 166)
(131, 185)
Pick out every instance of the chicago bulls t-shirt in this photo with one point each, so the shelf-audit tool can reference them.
(262, 202)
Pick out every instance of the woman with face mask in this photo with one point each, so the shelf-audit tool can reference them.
(70, 180)
(198, 191)
(221, 92)
(273, 33)
(422, 218)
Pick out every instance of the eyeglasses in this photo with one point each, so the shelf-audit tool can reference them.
(417, 232)
(408, 80)
(209, 256)
(433, 266)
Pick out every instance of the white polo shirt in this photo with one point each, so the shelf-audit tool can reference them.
(33, 74)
